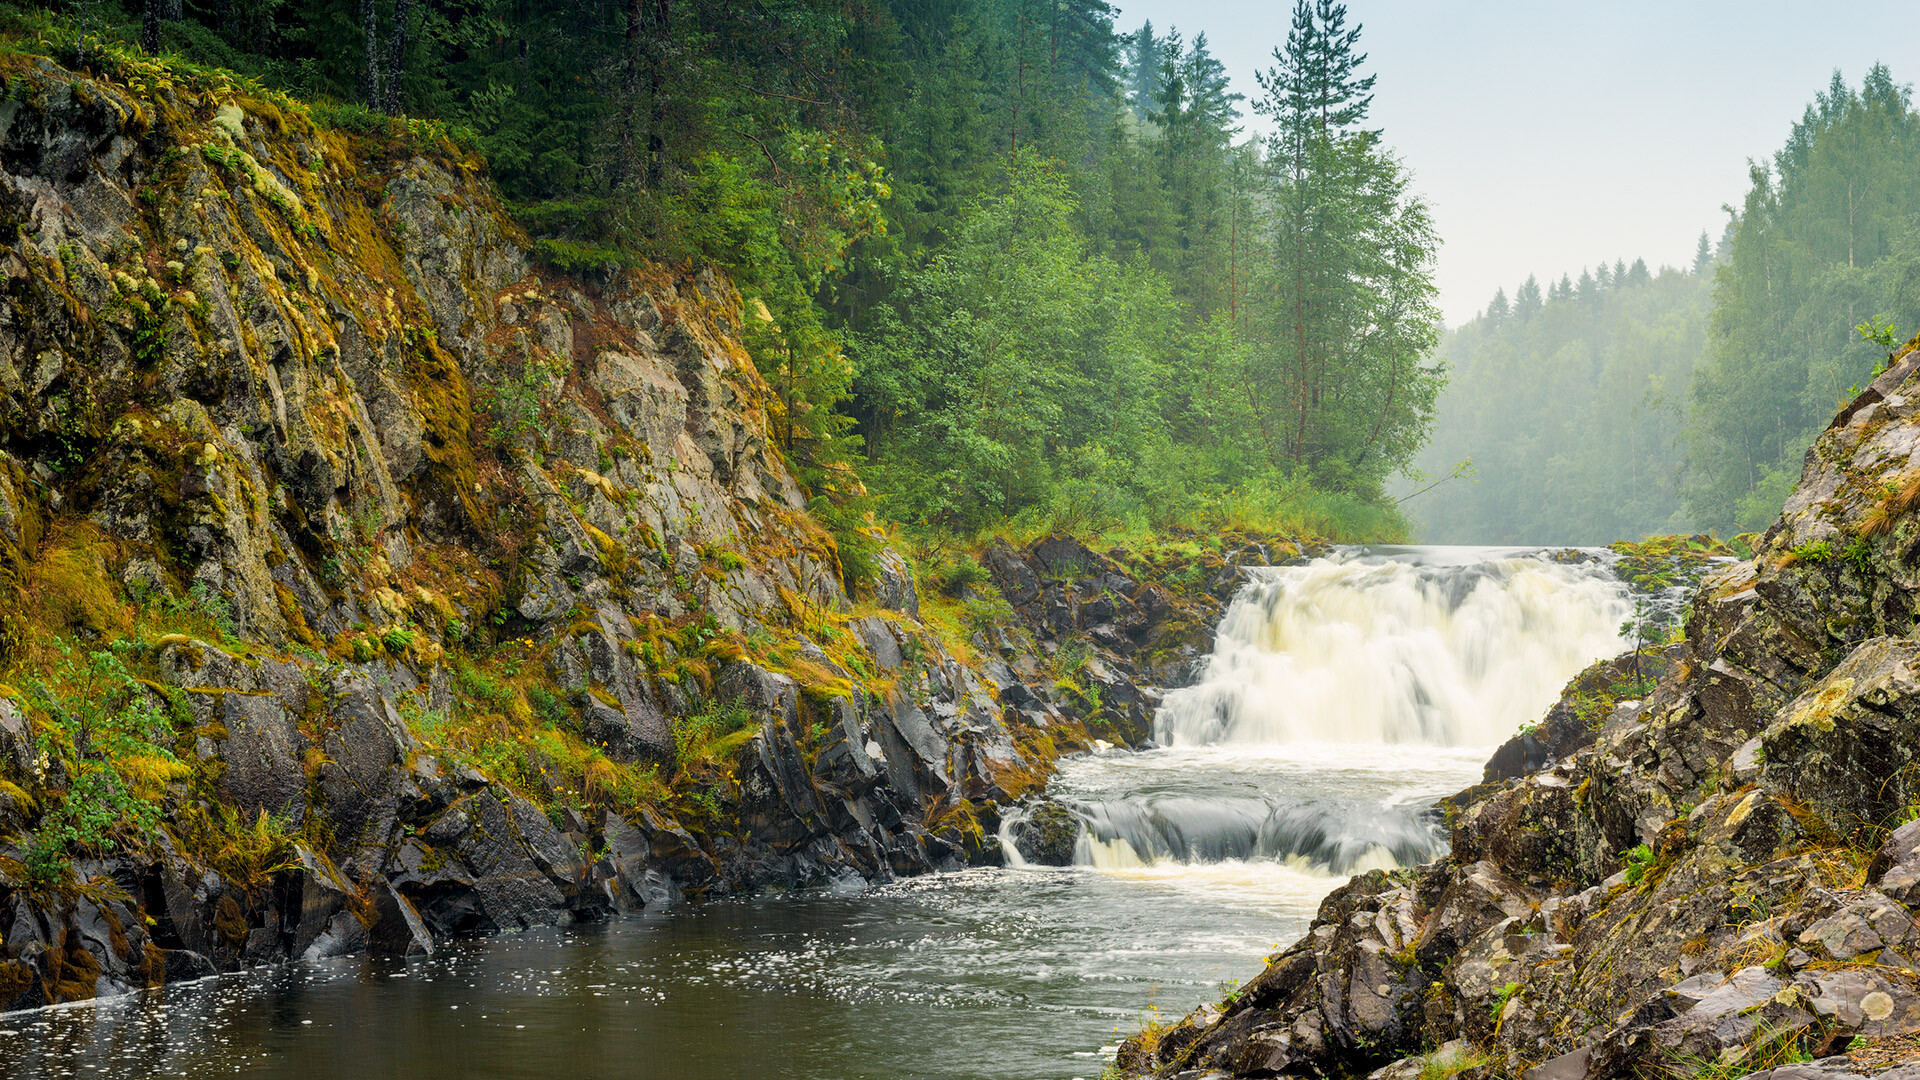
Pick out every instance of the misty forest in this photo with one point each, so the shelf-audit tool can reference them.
(946, 540)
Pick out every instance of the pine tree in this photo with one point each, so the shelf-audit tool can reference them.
(1526, 300)
(1143, 69)
(1498, 311)
(1350, 264)
(1702, 254)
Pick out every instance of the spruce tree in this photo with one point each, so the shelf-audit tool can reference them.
(1344, 395)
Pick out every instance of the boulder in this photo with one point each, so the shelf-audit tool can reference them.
(1846, 747)
(1046, 835)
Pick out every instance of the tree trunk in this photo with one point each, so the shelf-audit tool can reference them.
(370, 76)
(635, 81)
(171, 11)
(661, 39)
(397, 56)
(150, 27)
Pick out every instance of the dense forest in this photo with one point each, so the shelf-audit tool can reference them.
(1628, 402)
(1007, 262)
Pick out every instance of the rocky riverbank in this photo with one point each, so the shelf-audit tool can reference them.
(370, 584)
(1706, 868)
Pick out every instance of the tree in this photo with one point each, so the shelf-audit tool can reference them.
(1339, 366)
(1817, 247)
(1014, 349)
(1497, 309)
(1143, 69)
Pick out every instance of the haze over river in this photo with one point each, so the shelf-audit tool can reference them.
(1343, 697)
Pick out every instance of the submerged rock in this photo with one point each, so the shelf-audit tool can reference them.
(1047, 835)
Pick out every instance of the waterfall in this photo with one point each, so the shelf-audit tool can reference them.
(1341, 698)
(1440, 646)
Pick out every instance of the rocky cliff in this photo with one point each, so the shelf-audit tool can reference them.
(1712, 875)
(367, 583)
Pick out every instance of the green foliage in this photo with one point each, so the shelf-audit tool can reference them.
(1880, 332)
(713, 733)
(513, 404)
(1500, 999)
(1637, 862)
(1859, 554)
(982, 614)
(573, 257)
(476, 683)
(548, 706)
(956, 577)
(1817, 551)
(110, 735)
(1825, 235)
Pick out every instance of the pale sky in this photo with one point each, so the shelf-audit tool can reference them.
(1551, 136)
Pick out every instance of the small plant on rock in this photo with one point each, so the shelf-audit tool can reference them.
(1638, 862)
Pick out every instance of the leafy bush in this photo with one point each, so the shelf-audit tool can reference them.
(958, 576)
(983, 613)
(110, 734)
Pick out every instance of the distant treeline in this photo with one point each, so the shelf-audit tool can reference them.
(1629, 403)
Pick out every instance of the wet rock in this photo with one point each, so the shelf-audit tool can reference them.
(1047, 835)
(1895, 869)
(893, 583)
(1011, 575)
(397, 928)
(1842, 747)
(631, 735)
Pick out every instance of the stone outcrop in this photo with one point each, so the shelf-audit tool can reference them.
(500, 605)
(1715, 871)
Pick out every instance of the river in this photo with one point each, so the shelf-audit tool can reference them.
(1342, 698)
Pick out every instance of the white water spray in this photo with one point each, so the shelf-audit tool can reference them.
(1447, 647)
(1341, 697)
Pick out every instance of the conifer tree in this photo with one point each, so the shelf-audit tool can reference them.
(1350, 261)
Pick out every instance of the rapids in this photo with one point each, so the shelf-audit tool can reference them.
(1342, 698)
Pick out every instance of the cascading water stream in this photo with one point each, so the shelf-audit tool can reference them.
(1342, 697)
(1431, 646)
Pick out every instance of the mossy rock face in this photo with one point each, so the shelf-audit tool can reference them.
(376, 492)
(1048, 835)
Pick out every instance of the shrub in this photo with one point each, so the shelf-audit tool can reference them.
(1638, 862)
(983, 613)
(110, 735)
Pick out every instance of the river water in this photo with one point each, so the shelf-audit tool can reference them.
(1342, 698)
